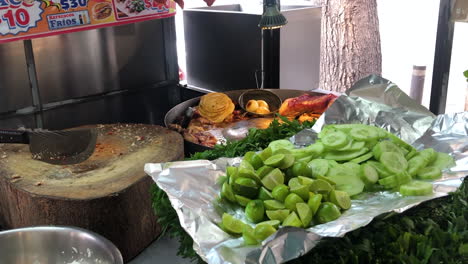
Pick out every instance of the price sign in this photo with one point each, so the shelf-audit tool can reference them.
(25, 19)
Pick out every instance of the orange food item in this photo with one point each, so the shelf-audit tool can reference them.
(306, 103)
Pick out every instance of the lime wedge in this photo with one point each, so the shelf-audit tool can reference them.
(330, 181)
(291, 200)
(287, 162)
(273, 205)
(305, 180)
(280, 192)
(231, 173)
(265, 154)
(327, 212)
(302, 191)
(227, 192)
(245, 187)
(292, 220)
(305, 214)
(246, 165)
(272, 179)
(275, 160)
(246, 173)
(321, 186)
(264, 194)
(263, 171)
(294, 182)
(261, 232)
(341, 199)
(232, 224)
(255, 211)
(253, 159)
(301, 169)
(279, 215)
(314, 202)
(273, 223)
(248, 235)
(243, 201)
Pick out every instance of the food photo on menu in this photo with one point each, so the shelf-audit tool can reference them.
(133, 8)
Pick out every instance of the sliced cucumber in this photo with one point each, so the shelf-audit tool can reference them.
(443, 161)
(381, 170)
(363, 133)
(415, 164)
(428, 155)
(319, 167)
(385, 146)
(362, 158)
(429, 173)
(335, 140)
(346, 180)
(345, 155)
(369, 174)
(280, 144)
(416, 188)
(394, 162)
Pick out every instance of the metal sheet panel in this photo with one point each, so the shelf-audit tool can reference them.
(223, 48)
(300, 48)
(98, 61)
(15, 91)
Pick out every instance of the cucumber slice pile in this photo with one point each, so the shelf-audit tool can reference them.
(285, 186)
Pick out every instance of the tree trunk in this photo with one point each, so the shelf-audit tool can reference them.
(350, 48)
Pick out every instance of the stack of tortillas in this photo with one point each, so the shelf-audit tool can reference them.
(215, 107)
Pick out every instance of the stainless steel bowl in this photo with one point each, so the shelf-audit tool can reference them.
(58, 245)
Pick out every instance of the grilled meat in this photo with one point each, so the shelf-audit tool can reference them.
(306, 103)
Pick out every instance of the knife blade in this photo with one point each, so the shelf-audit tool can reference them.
(55, 147)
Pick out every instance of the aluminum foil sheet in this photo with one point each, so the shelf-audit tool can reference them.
(193, 188)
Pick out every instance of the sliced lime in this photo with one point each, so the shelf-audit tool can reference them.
(246, 187)
(231, 173)
(265, 154)
(279, 215)
(264, 194)
(255, 211)
(248, 235)
(321, 186)
(261, 232)
(280, 192)
(273, 179)
(273, 223)
(246, 173)
(287, 162)
(327, 212)
(241, 200)
(275, 160)
(305, 214)
(232, 224)
(246, 165)
(291, 200)
(314, 202)
(227, 192)
(273, 205)
(294, 182)
(305, 180)
(341, 199)
(292, 220)
(263, 171)
(302, 191)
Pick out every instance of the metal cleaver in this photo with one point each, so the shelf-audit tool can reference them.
(55, 147)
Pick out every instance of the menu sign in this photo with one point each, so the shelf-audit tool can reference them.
(25, 19)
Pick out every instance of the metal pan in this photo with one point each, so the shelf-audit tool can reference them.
(180, 109)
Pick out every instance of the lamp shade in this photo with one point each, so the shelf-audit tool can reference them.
(272, 17)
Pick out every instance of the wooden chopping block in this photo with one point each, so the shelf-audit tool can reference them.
(109, 193)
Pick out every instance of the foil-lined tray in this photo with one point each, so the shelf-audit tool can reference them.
(193, 189)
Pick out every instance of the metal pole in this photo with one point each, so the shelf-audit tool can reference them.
(417, 83)
(443, 54)
(271, 55)
(36, 96)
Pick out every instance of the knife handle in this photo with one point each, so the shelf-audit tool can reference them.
(14, 136)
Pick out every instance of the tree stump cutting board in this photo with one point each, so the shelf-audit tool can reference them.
(109, 193)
